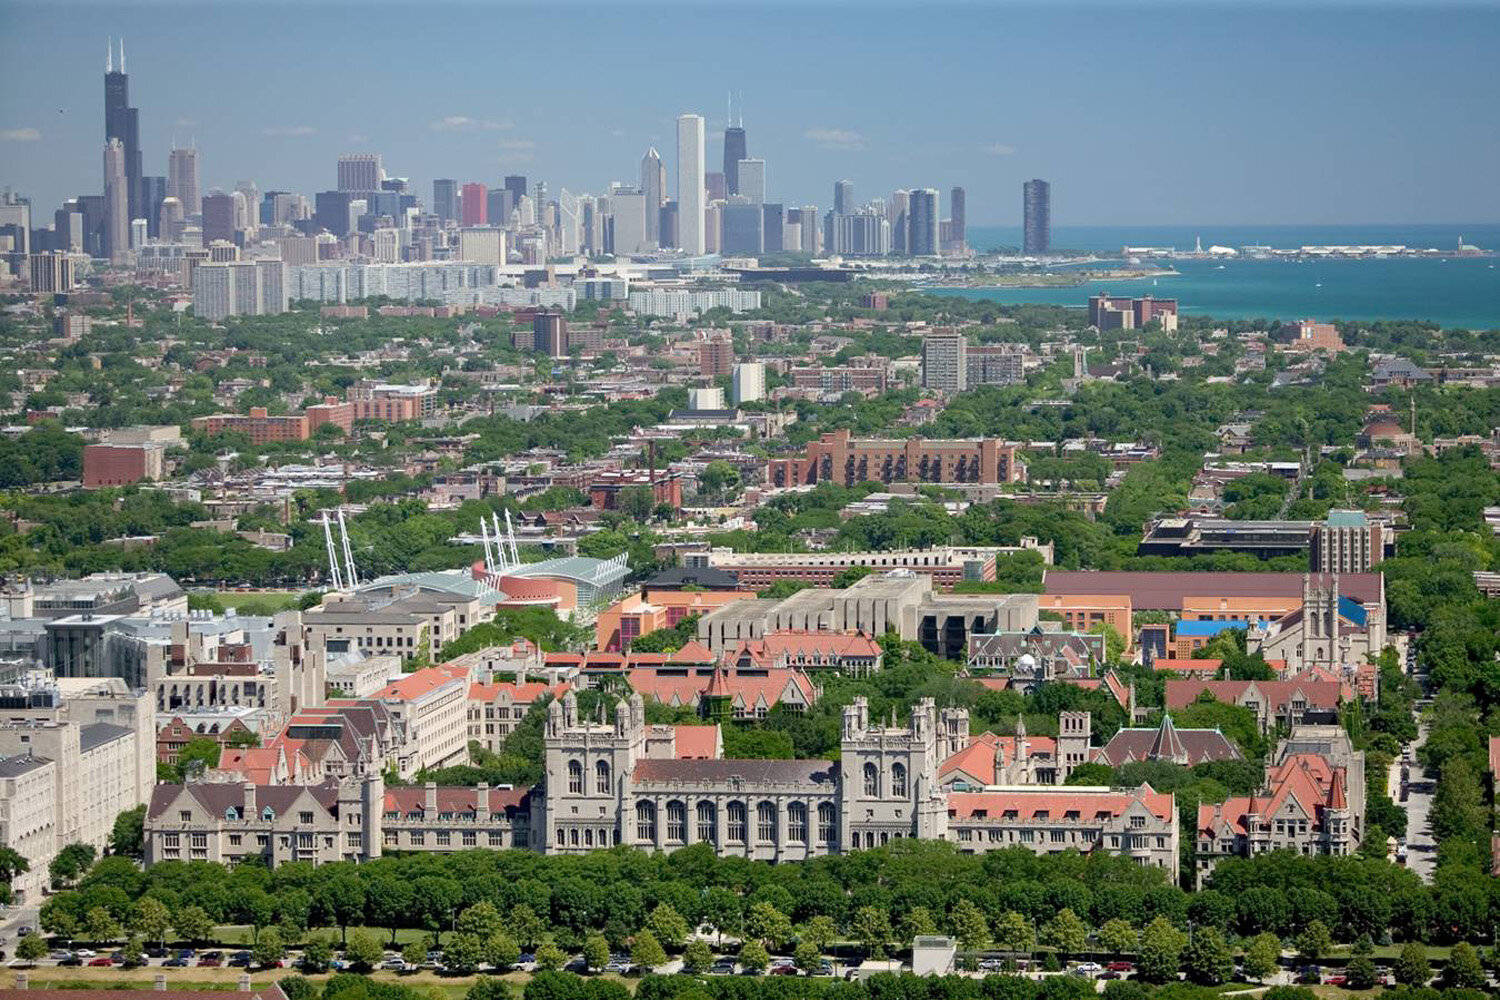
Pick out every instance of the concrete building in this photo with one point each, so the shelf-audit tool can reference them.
(946, 565)
(1112, 312)
(943, 361)
(1036, 207)
(1346, 542)
(691, 194)
(183, 181)
(749, 382)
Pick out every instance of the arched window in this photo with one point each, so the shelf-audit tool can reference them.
(828, 828)
(737, 821)
(872, 780)
(575, 778)
(708, 822)
(645, 821)
(601, 777)
(898, 781)
(765, 822)
(676, 823)
(796, 823)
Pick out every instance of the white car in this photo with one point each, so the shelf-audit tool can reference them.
(86, 953)
(1088, 968)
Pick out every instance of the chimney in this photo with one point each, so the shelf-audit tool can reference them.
(249, 804)
(429, 799)
(482, 802)
(160, 985)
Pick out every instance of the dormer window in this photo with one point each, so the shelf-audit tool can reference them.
(231, 814)
(267, 814)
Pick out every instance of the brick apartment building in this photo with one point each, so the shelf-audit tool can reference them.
(842, 458)
(120, 465)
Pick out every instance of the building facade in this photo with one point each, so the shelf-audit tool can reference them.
(840, 457)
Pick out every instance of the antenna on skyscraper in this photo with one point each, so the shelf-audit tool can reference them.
(122, 55)
(109, 55)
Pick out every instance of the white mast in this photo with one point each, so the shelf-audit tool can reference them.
(484, 540)
(333, 562)
(353, 580)
(510, 532)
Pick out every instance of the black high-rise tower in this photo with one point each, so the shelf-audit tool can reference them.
(734, 149)
(122, 122)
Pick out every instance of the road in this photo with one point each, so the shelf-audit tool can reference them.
(1421, 848)
(12, 918)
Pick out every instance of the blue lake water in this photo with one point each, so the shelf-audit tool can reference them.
(1456, 292)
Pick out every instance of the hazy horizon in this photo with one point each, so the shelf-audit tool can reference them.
(1329, 114)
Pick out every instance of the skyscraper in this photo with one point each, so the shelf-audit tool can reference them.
(922, 222)
(475, 205)
(690, 190)
(153, 193)
(734, 152)
(360, 172)
(956, 213)
(843, 197)
(182, 180)
(516, 185)
(122, 122)
(445, 198)
(896, 212)
(116, 203)
(218, 218)
(654, 188)
(1036, 197)
(752, 180)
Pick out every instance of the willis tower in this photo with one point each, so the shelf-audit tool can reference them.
(122, 122)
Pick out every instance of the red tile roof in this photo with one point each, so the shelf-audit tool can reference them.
(453, 799)
(747, 690)
(977, 760)
(520, 694)
(696, 742)
(425, 681)
(1028, 803)
(1188, 665)
(1275, 694)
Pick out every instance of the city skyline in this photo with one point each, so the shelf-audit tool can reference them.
(951, 131)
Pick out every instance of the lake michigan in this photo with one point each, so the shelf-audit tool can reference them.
(1452, 291)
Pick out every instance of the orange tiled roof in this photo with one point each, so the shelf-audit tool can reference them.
(1027, 804)
(977, 760)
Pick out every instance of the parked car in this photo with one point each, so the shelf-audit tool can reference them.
(85, 953)
(102, 961)
(393, 965)
(620, 966)
(1088, 968)
(1107, 974)
(722, 967)
(176, 962)
(783, 970)
(25, 930)
(825, 968)
(156, 951)
(1120, 967)
(71, 960)
(1336, 981)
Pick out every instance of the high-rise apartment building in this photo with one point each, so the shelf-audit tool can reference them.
(716, 356)
(549, 334)
(475, 205)
(742, 227)
(1345, 542)
(922, 223)
(116, 203)
(749, 382)
(51, 272)
(630, 213)
(898, 212)
(957, 211)
(774, 229)
(943, 361)
(654, 192)
(122, 122)
(691, 194)
(734, 152)
(360, 172)
(1036, 199)
(843, 197)
(183, 180)
(445, 198)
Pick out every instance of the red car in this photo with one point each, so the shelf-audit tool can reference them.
(1335, 980)
(1119, 967)
(102, 960)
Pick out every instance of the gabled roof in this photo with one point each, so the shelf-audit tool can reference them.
(1325, 695)
(1166, 743)
(1089, 803)
(978, 759)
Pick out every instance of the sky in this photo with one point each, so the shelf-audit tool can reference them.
(1140, 113)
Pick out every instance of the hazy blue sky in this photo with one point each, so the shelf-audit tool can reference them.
(1137, 113)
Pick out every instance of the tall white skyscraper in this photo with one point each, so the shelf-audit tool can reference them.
(116, 203)
(691, 195)
(654, 188)
(182, 181)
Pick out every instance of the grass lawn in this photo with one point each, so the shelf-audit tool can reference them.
(194, 978)
(260, 602)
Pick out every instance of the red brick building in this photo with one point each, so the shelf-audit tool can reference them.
(604, 490)
(839, 457)
(716, 356)
(259, 425)
(120, 465)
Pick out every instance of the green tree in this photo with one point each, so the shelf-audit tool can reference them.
(12, 864)
(596, 952)
(753, 956)
(489, 988)
(646, 951)
(1411, 968)
(1209, 961)
(697, 957)
(71, 862)
(1360, 973)
(670, 929)
(317, 953)
(193, 924)
(269, 948)
(363, 949)
(768, 924)
(1262, 956)
(807, 956)
(31, 948)
(1013, 932)
(550, 958)
(481, 920)
(872, 929)
(131, 953)
(1117, 937)
(525, 926)
(100, 925)
(1066, 932)
(636, 502)
(970, 926)
(463, 952)
(1314, 942)
(917, 922)
(823, 932)
(1162, 945)
(152, 919)
(414, 952)
(1458, 803)
(1464, 970)
(501, 950)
